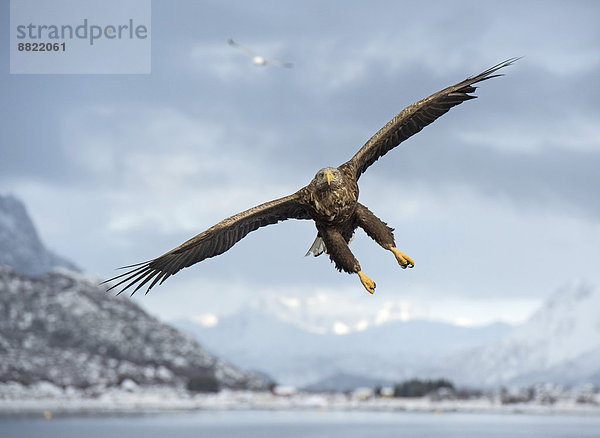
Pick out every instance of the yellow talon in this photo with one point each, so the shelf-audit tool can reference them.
(366, 282)
(403, 260)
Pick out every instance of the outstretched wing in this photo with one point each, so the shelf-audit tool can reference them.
(415, 117)
(241, 48)
(214, 241)
(281, 64)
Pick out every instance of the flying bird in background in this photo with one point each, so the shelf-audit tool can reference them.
(257, 59)
(330, 200)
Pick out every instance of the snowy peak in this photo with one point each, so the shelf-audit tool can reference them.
(20, 246)
(567, 325)
(559, 343)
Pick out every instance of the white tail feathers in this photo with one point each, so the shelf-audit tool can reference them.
(317, 248)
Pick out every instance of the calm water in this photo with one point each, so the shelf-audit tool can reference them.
(250, 424)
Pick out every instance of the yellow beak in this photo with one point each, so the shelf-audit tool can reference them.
(328, 177)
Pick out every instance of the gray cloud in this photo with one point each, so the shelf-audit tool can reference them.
(554, 178)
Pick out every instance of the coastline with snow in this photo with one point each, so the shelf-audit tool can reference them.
(48, 400)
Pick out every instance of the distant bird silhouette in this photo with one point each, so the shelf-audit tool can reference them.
(257, 59)
(330, 200)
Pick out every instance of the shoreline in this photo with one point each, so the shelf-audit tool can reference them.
(144, 401)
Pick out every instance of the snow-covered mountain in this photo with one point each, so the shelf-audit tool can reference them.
(20, 245)
(60, 326)
(394, 351)
(560, 343)
(63, 328)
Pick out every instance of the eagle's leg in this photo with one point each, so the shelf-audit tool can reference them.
(366, 282)
(403, 260)
(340, 254)
(378, 230)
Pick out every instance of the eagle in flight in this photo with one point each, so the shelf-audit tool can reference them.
(257, 59)
(330, 200)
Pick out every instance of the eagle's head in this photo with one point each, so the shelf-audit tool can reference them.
(327, 178)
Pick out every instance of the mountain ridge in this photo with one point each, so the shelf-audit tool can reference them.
(559, 343)
(63, 328)
(296, 356)
(20, 244)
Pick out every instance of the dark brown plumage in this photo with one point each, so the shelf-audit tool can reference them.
(330, 199)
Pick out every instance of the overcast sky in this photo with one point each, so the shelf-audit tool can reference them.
(497, 202)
